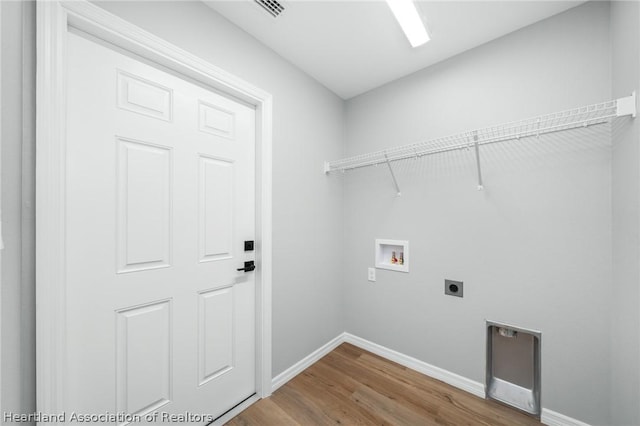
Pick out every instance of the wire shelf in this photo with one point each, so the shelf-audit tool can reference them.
(559, 121)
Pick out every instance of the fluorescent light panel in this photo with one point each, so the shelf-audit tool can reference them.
(407, 15)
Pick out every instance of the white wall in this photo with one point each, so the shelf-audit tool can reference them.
(18, 282)
(308, 127)
(625, 331)
(533, 249)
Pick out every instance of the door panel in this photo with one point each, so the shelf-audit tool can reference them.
(143, 347)
(160, 199)
(216, 120)
(145, 97)
(215, 222)
(144, 205)
(215, 344)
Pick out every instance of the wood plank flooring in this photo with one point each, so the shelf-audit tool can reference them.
(351, 386)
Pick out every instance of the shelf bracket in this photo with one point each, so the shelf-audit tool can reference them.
(626, 106)
(477, 149)
(393, 176)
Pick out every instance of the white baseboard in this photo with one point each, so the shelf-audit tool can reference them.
(551, 418)
(306, 362)
(448, 377)
(548, 417)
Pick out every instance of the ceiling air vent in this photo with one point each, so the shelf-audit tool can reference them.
(274, 7)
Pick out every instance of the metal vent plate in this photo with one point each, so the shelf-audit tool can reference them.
(272, 7)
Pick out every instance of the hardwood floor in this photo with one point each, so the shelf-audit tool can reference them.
(351, 386)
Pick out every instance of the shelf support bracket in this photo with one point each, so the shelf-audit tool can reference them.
(393, 176)
(477, 149)
(626, 106)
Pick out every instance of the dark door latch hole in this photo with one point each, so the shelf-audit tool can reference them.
(453, 288)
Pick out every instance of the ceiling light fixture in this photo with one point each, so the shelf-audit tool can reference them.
(409, 19)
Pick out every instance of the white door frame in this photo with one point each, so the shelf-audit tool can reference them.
(54, 20)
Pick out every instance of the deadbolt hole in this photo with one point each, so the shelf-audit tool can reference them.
(453, 288)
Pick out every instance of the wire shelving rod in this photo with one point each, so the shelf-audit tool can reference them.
(559, 121)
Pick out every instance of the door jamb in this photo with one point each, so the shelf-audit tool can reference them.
(53, 21)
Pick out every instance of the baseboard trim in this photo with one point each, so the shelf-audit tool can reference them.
(306, 362)
(548, 417)
(551, 418)
(438, 373)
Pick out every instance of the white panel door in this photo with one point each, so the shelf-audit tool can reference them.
(160, 199)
